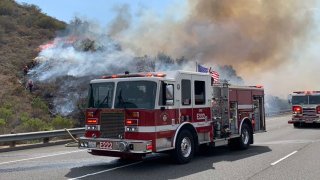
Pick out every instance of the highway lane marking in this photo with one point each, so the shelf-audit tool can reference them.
(301, 141)
(8, 162)
(274, 163)
(99, 172)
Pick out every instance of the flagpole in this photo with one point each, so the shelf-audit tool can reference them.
(196, 66)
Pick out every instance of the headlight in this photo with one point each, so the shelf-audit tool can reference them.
(93, 127)
(132, 129)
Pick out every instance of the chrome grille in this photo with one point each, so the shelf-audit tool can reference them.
(309, 112)
(112, 125)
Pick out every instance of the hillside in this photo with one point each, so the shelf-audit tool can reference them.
(22, 29)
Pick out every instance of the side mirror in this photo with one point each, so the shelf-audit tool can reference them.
(167, 94)
(290, 98)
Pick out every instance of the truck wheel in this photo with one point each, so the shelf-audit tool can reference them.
(184, 148)
(243, 141)
(245, 137)
(296, 125)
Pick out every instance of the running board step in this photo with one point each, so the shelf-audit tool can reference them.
(224, 141)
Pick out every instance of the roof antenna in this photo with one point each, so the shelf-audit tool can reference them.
(126, 72)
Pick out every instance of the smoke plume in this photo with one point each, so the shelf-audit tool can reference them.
(252, 41)
(256, 37)
(84, 52)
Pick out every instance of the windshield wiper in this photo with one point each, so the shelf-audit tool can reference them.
(121, 101)
(105, 98)
(91, 100)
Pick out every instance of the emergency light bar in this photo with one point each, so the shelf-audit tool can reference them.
(134, 75)
(257, 86)
(306, 92)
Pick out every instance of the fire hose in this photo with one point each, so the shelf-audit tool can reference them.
(71, 144)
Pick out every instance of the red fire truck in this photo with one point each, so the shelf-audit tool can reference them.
(305, 107)
(138, 114)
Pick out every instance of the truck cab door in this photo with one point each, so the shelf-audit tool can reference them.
(201, 95)
(167, 116)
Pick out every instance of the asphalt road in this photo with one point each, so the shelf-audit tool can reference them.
(283, 152)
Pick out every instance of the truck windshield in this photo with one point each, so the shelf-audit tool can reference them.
(309, 99)
(314, 99)
(135, 94)
(299, 99)
(100, 95)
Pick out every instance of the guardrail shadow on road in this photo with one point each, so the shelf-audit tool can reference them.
(162, 166)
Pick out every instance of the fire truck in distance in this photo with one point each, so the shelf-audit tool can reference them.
(132, 115)
(305, 107)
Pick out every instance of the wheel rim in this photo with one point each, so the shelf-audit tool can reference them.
(245, 136)
(186, 147)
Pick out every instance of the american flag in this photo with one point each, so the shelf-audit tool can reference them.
(215, 76)
(202, 69)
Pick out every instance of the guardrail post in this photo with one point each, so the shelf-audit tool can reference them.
(12, 143)
(45, 140)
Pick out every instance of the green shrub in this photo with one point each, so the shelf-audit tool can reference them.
(2, 126)
(6, 7)
(39, 103)
(8, 24)
(28, 21)
(24, 117)
(2, 122)
(61, 123)
(5, 113)
(35, 124)
(31, 8)
(46, 22)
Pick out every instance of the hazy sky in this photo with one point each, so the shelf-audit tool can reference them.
(98, 10)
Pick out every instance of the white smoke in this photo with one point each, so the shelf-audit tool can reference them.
(84, 52)
(80, 53)
(61, 61)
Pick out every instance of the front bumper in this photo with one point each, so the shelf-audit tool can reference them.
(299, 120)
(116, 145)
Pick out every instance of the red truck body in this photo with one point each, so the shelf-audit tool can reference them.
(138, 114)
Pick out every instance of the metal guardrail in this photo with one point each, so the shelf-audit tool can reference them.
(45, 135)
(275, 113)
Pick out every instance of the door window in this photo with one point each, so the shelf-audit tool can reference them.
(199, 92)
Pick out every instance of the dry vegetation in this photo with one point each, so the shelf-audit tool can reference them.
(22, 29)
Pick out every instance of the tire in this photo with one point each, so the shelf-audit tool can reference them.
(184, 147)
(296, 125)
(243, 142)
(245, 137)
